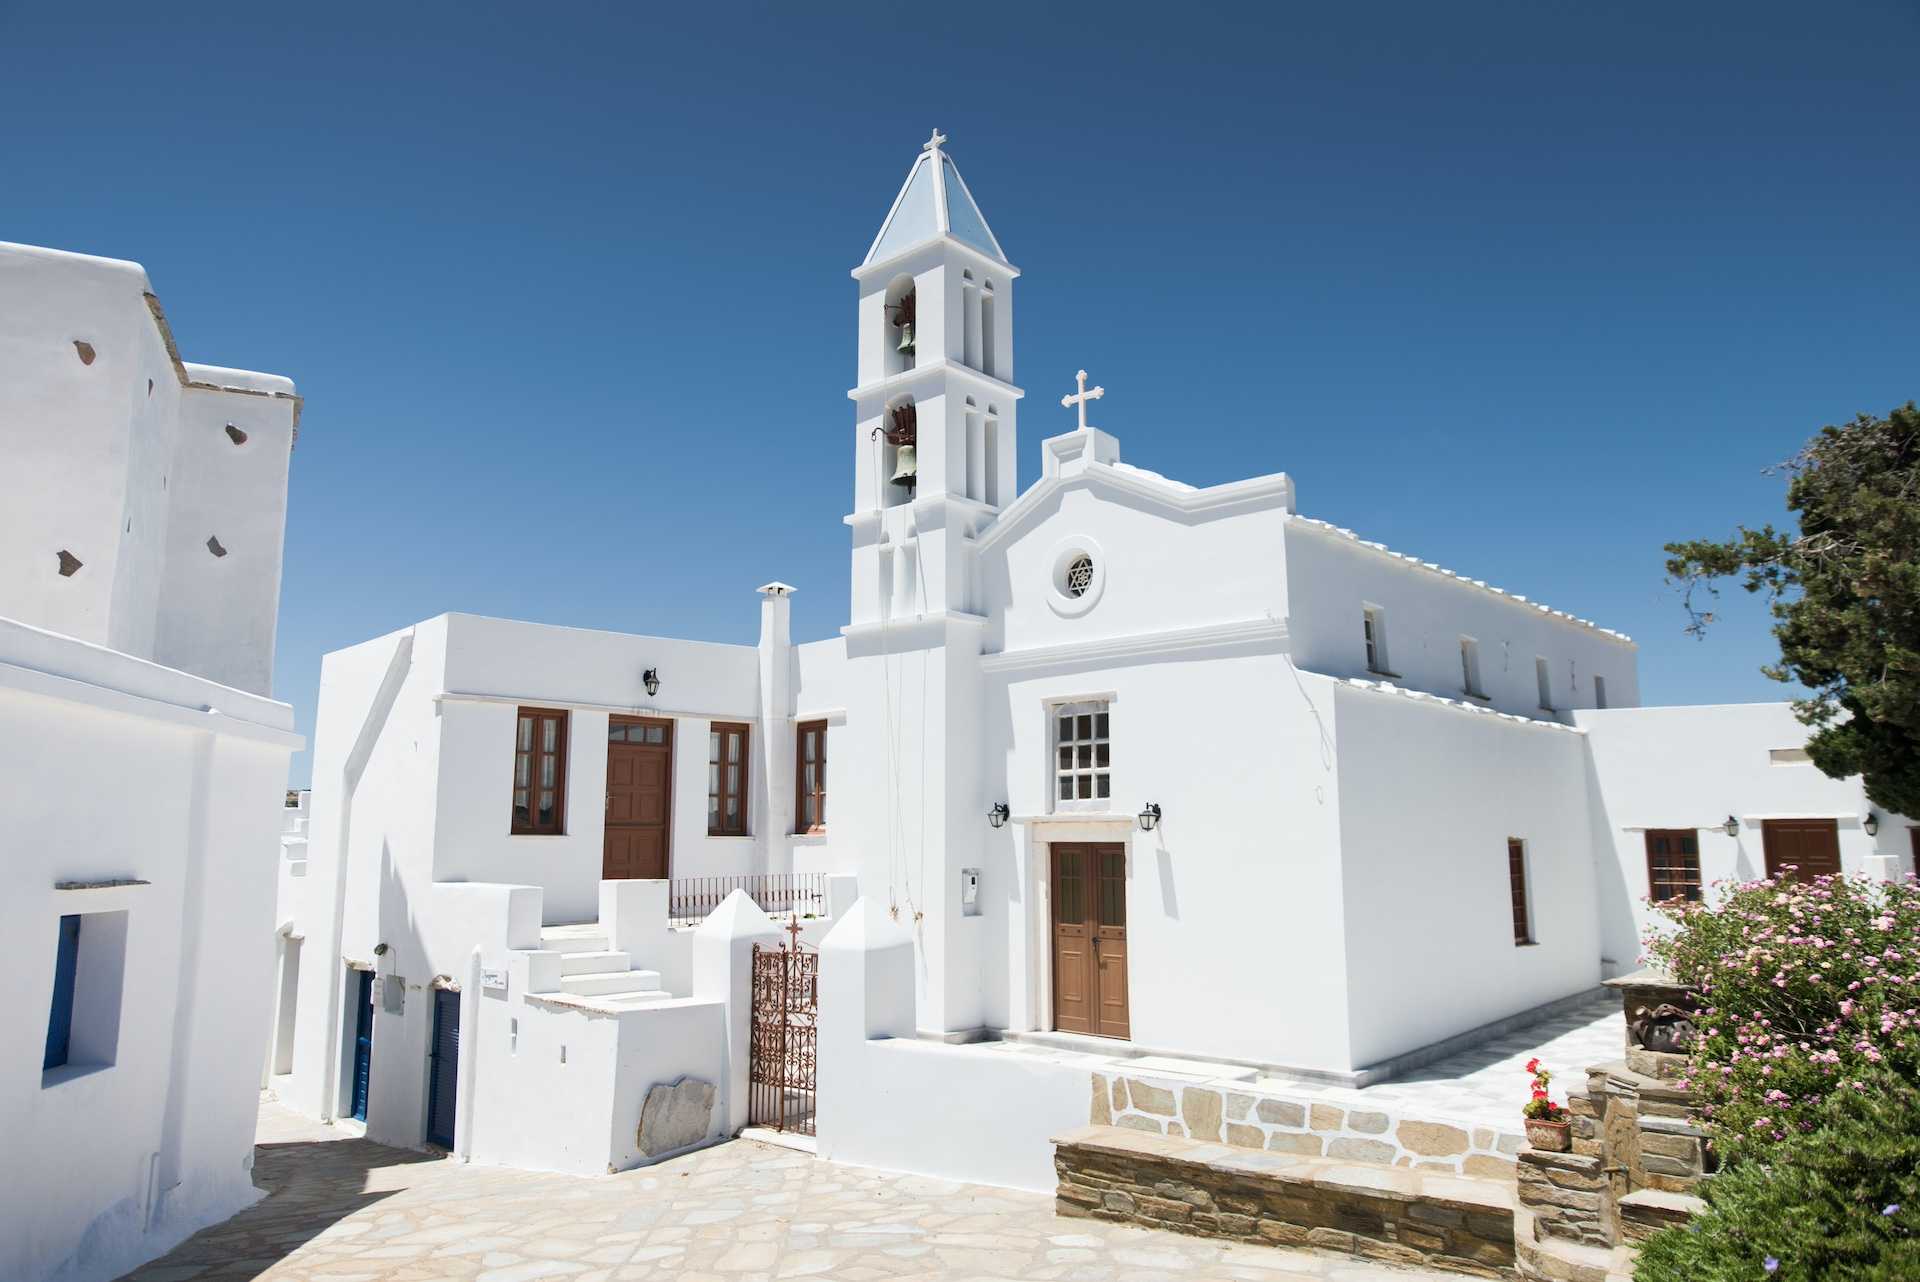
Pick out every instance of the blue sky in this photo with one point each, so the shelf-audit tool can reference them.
(1527, 289)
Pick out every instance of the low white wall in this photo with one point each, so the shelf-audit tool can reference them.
(888, 1100)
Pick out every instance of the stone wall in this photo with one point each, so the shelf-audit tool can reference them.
(1253, 1118)
(1397, 1216)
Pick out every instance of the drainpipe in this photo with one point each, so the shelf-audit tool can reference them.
(776, 720)
(469, 1059)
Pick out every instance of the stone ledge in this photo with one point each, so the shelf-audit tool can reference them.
(1644, 1212)
(1390, 1214)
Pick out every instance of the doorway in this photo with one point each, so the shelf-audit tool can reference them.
(1812, 846)
(1090, 939)
(362, 1041)
(639, 798)
(443, 1066)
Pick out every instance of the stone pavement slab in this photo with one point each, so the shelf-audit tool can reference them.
(345, 1210)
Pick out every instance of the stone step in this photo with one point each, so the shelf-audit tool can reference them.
(606, 983)
(1645, 1212)
(572, 963)
(1392, 1215)
(575, 939)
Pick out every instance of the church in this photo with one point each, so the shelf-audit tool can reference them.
(1162, 769)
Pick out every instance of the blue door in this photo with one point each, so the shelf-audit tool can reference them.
(362, 1041)
(443, 1067)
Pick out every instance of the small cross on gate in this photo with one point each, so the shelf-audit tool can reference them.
(933, 143)
(1085, 394)
(793, 928)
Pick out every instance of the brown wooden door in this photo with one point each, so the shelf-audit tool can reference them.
(1090, 939)
(639, 788)
(1811, 845)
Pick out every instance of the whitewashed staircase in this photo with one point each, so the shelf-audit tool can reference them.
(592, 972)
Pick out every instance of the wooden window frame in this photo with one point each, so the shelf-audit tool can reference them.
(531, 825)
(718, 793)
(1517, 890)
(1684, 884)
(800, 793)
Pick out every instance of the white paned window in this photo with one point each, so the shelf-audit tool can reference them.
(1082, 757)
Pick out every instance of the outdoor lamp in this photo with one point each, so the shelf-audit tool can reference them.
(998, 815)
(651, 679)
(1872, 824)
(1731, 827)
(1150, 817)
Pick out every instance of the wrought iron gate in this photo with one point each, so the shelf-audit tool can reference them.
(784, 1038)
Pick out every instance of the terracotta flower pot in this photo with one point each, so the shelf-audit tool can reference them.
(1550, 1137)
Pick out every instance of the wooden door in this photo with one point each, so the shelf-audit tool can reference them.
(1812, 846)
(639, 798)
(1090, 939)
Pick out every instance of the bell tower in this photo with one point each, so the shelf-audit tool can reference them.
(934, 404)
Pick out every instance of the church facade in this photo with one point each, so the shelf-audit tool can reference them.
(1181, 769)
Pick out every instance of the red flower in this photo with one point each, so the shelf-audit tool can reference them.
(1533, 1065)
(1539, 1094)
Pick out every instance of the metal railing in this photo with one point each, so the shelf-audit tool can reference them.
(801, 894)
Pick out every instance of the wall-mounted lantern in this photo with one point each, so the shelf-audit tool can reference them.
(998, 815)
(651, 679)
(1150, 817)
(1731, 827)
(1872, 824)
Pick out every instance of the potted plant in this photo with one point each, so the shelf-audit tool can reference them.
(1547, 1126)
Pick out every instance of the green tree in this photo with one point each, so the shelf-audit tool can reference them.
(1845, 590)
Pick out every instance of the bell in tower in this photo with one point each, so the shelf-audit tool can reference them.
(903, 321)
(903, 435)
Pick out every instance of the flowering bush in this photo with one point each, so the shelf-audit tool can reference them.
(1541, 1107)
(1804, 989)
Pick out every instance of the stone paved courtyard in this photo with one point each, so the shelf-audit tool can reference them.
(344, 1210)
(1485, 1084)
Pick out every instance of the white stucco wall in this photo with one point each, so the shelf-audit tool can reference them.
(119, 773)
(125, 463)
(1428, 796)
(1692, 767)
(1332, 578)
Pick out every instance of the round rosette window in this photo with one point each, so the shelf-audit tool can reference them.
(1079, 576)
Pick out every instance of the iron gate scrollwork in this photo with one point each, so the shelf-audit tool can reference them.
(781, 1055)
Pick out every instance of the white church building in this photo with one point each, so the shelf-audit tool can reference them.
(142, 505)
(1141, 765)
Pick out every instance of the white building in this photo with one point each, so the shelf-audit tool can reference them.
(1133, 760)
(142, 506)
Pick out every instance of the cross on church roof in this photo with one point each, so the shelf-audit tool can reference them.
(1082, 397)
(933, 143)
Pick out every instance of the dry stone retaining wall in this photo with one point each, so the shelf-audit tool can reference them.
(1215, 1190)
(1247, 1117)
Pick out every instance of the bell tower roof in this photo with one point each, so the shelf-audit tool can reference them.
(933, 202)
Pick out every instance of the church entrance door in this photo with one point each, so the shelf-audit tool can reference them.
(1090, 939)
(639, 801)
